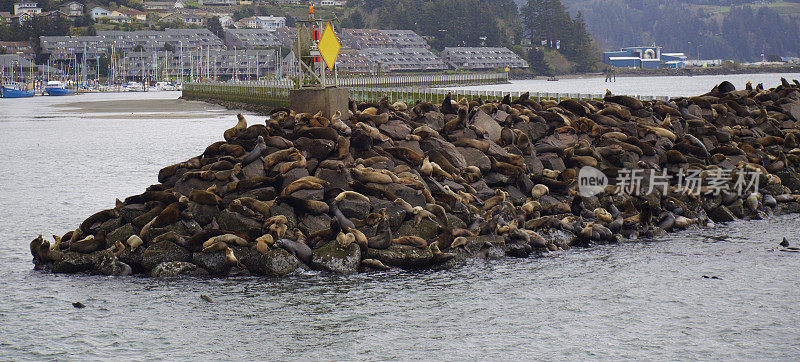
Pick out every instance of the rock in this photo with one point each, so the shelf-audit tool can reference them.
(175, 268)
(721, 214)
(276, 262)
(74, 262)
(285, 210)
(483, 120)
(164, 251)
(133, 258)
(396, 129)
(309, 194)
(352, 208)
(446, 148)
(108, 264)
(410, 195)
(262, 193)
(121, 234)
(433, 119)
(293, 175)
(130, 212)
(402, 256)
(111, 225)
(318, 148)
(396, 215)
(254, 169)
(234, 221)
(337, 179)
(213, 262)
(474, 157)
(333, 258)
(203, 214)
(314, 223)
(553, 162)
(186, 187)
(427, 229)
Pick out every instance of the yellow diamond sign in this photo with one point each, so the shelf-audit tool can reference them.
(329, 46)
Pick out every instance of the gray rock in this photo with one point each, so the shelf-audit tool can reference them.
(234, 221)
(314, 223)
(410, 195)
(294, 175)
(121, 234)
(433, 119)
(396, 215)
(427, 229)
(721, 214)
(175, 268)
(396, 129)
(446, 148)
(488, 123)
(308, 194)
(74, 262)
(108, 264)
(333, 258)
(402, 256)
(203, 214)
(164, 251)
(213, 262)
(474, 157)
(285, 210)
(337, 179)
(276, 262)
(186, 187)
(318, 148)
(130, 212)
(111, 224)
(254, 169)
(262, 193)
(553, 162)
(353, 208)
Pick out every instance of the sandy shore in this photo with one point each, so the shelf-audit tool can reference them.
(143, 108)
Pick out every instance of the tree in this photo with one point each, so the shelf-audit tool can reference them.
(215, 26)
(169, 47)
(538, 64)
(138, 48)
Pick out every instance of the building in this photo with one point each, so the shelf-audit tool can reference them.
(60, 48)
(219, 2)
(365, 38)
(73, 9)
(270, 23)
(226, 21)
(53, 15)
(6, 17)
(159, 5)
(644, 58)
(132, 14)
(406, 39)
(196, 64)
(332, 3)
(250, 38)
(187, 18)
(21, 48)
(27, 7)
(352, 61)
(482, 58)
(16, 67)
(99, 13)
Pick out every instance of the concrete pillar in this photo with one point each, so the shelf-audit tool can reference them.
(312, 100)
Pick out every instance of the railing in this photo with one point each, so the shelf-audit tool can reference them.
(277, 94)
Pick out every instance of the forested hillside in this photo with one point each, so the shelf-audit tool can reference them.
(726, 29)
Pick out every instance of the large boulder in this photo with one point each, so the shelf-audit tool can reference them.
(333, 258)
(74, 262)
(485, 121)
(396, 129)
(121, 234)
(164, 251)
(402, 256)
(446, 149)
(427, 229)
(474, 157)
(175, 268)
(234, 221)
(354, 208)
(276, 262)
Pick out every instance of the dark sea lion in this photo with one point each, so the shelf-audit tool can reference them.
(255, 154)
(97, 219)
(170, 215)
(155, 208)
(383, 233)
(90, 244)
(300, 251)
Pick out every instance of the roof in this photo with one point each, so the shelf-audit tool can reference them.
(128, 11)
(97, 7)
(624, 58)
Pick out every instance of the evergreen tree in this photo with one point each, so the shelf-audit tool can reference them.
(215, 27)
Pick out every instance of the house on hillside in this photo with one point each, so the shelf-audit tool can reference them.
(73, 9)
(27, 7)
(99, 13)
(6, 17)
(132, 14)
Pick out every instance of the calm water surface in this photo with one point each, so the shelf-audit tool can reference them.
(673, 86)
(637, 300)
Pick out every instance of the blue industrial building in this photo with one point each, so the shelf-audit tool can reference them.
(644, 58)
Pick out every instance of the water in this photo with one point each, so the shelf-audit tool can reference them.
(637, 300)
(673, 86)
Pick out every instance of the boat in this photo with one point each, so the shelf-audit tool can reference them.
(57, 88)
(552, 79)
(132, 87)
(8, 91)
(166, 86)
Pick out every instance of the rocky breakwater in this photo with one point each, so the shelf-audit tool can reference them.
(425, 186)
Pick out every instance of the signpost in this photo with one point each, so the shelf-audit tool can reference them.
(316, 42)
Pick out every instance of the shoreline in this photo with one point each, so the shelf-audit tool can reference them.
(405, 187)
(628, 72)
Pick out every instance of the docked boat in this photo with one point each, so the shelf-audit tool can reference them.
(9, 91)
(166, 86)
(133, 87)
(57, 88)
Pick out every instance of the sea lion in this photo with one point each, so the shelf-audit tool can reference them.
(255, 154)
(233, 132)
(264, 243)
(90, 244)
(300, 251)
(374, 264)
(134, 241)
(97, 219)
(350, 195)
(305, 183)
(410, 240)
(383, 233)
